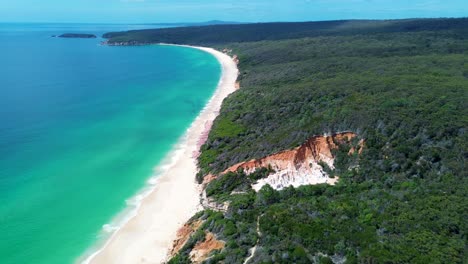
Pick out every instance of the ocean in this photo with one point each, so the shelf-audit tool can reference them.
(84, 130)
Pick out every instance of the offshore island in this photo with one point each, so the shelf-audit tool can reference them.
(325, 142)
(76, 35)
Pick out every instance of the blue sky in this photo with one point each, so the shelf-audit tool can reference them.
(154, 11)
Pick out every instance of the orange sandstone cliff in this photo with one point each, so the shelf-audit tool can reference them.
(301, 165)
(183, 235)
(202, 250)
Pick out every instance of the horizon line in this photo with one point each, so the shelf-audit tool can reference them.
(227, 22)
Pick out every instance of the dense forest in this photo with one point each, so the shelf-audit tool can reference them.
(223, 34)
(400, 85)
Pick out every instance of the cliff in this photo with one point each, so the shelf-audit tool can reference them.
(202, 250)
(183, 235)
(303, 165)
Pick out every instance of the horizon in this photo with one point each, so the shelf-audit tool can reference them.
(227, 22)
(243, 11)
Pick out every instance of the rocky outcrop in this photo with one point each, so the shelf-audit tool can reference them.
(235, 58)
(183, 235)
(202, 250)
(303, 165)
(209, 203)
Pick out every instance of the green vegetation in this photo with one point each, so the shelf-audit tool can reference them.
(222, 34)
(395, 89)
(400, 85)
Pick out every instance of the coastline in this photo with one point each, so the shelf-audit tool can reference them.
(149, 234)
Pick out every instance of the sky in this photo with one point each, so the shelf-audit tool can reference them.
(171, 11)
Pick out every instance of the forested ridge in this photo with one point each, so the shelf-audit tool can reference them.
(223, 34)
(400, 85)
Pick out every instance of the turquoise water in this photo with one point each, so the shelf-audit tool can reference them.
(82, 127)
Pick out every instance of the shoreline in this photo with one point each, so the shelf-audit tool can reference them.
(147, 236)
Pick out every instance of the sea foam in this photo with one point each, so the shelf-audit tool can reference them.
(133, 204)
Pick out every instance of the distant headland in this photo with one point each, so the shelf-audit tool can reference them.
(75, 35)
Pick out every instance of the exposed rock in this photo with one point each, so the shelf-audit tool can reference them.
(208, 178)
(301, 165)
(183, 236)
(211, 204)
(360, 148)
(235, 58)
(296, 167)
(202, 250)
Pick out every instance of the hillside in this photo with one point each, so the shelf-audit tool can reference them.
(400, 86)
(223, 34)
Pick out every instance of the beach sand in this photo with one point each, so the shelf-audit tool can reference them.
(148, 236)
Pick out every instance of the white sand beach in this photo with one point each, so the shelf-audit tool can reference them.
(149, 235)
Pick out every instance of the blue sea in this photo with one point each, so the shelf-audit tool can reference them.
(83, 127)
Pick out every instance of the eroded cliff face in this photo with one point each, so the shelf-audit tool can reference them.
(202, 250)
(300, 166)
(303, 165)
(183, 235)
